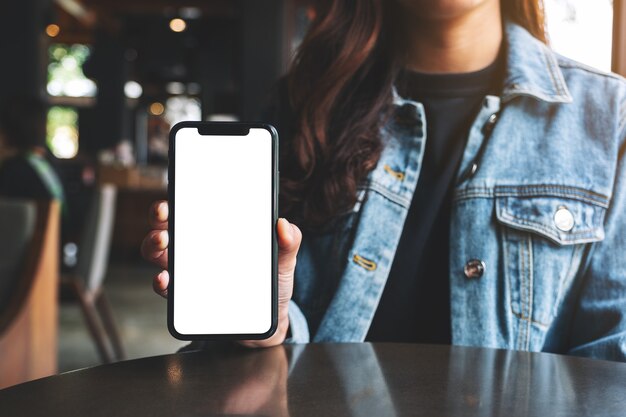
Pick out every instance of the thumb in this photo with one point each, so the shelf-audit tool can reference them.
(289, 239)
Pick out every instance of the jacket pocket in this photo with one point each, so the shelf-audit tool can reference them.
(543, 232)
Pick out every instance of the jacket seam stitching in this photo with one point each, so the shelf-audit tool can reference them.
(565, 191)
(520, 315)
(505, 233)
(571, 272)
(522, 290)
(531, 290)
(528, 319)
(567, 63)
(507, 216)
(384, 191)
(553, 76)
(622, 118)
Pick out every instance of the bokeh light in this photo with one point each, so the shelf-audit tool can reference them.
(156, 108)
(178, 25)
(132, 89)
(53, 30)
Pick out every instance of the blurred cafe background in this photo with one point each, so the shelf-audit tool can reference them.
(105, 80)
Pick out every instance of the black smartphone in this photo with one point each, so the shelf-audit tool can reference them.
(222, 188)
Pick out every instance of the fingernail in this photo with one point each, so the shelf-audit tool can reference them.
(285, 223)
(158, 239)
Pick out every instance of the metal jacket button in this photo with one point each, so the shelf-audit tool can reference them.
(489, 125)
(473, 169)
(564, 219)
(474, 268)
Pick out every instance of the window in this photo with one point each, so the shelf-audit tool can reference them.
(62, 138)
(68, 85)
(65, 71)
(581, 30)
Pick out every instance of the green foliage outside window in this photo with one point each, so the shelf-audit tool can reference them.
(65, 71)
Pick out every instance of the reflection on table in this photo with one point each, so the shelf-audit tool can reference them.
(332, 380)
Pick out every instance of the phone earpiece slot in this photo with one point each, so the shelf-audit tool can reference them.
(226, 129)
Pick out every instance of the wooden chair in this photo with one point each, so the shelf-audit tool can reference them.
(29, 279)
(86, 282)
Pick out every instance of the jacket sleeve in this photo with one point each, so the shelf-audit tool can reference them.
(599, 322)
(298, 326)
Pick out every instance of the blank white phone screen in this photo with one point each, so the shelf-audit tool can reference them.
(223, 233)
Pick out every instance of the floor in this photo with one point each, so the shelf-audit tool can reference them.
(139, 313)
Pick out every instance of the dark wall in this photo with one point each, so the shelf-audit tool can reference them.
(22, 71)
(103, 126)
(263, 26)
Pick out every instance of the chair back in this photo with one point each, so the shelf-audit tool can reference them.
(95, 242)
(17, 226)
(29, 259)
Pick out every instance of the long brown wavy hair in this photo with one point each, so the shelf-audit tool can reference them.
(340, 90)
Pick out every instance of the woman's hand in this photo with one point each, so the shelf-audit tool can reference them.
(154, 249)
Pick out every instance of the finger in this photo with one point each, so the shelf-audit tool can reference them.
(158, 215)
(154, 247)
(160, 283)
(289, 239)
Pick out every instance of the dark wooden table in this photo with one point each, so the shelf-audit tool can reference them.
(332, 380)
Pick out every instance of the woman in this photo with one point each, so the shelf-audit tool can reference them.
(455, 181)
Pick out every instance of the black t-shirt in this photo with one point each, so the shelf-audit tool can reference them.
(415, 305)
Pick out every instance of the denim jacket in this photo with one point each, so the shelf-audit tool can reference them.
(537, 254)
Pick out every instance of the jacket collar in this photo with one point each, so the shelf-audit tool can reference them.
(532, 69)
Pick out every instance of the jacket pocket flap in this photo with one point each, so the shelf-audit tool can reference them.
(563, 220)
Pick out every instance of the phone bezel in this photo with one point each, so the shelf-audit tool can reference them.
(208, 129)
